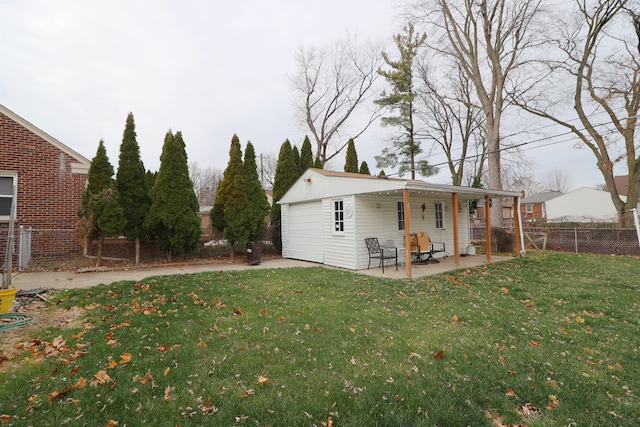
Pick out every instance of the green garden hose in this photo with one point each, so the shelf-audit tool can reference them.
(15, 320)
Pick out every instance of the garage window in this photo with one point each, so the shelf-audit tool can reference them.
(7, 195)
(338, 216)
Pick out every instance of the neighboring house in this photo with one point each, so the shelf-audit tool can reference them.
(507, 212)
(582, 205)
(534, 208)
(46, 179)
(326, 215)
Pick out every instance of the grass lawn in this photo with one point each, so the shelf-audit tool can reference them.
(551, 339)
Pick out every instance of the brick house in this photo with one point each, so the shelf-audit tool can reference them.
(47, 179)
(533, 208)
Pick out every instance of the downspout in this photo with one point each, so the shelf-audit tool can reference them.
(522, 250)
(635, 221)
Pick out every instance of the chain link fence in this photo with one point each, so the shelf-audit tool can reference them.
(589, 239)
(59, 249)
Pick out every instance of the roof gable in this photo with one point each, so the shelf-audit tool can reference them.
(82, 165)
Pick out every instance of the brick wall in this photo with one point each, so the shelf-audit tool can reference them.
(49, 193)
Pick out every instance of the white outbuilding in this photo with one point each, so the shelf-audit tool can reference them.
(326, 216)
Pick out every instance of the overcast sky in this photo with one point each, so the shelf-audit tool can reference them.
(210, 69)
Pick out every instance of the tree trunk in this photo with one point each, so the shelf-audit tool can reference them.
(137, 250)
(99, 254)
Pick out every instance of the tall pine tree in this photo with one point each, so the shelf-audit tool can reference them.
(229, 208)
(351, 161)
(406, 146)
(100, 214)
(173, 218)
(257, 203)
(286, 176)
(131, 183)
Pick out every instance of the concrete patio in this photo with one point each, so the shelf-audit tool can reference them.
(422, 270)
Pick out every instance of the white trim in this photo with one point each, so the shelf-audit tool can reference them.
(14, 196)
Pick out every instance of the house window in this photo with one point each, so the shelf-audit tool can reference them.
(400, 216)
(7, 196)
(529, 207)
(338, 216)
(439, 215)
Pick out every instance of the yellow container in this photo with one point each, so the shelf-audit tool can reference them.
(7, 296)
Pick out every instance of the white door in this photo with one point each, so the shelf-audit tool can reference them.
(304, 239)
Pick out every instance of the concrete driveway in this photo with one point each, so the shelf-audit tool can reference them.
(70, 279)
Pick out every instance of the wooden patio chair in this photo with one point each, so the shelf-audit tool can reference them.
(423, 248)
(377, 252)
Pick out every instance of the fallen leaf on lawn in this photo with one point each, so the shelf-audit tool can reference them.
(166, 371)
(112, 423)
(167, 393)
(329, 422)
(147, 311)
(501, 360)
(80, 383)
(248, 393)
(454, 319)
(125, 358)
(78, 335)
(202, 344)
(553, 402)
(353, 330)
(510, 392)
(505, 290)
(280, 319)
(263, 311)
(534, 343)
(237, 311)
(262, 380)
(101, 377)
(579, 319)
(112, 364)
(162, 348)
(5, 418)
(439, 355)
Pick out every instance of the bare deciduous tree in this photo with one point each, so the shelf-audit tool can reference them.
(598, 56)
(205, 183)
(488, 39)
(452, 120)
(331, 83)
(558, 180)
(267, 164)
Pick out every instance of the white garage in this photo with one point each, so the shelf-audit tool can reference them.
(302, 232)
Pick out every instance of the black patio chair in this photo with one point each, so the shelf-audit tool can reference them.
(377, 252)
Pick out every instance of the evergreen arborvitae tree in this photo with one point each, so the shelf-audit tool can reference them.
(306, 154)
(100, 214)
(229, 208)
(150, 178)
(351, 163)
(131, 183)
(286, 176)
(382, 173)
(173, 219)
(318, 163)
(257, 203)
(296, 159)
(364, 168)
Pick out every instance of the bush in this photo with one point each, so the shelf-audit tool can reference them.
(502, 240)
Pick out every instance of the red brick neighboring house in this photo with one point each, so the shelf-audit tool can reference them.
(47, 179)
(533, 208)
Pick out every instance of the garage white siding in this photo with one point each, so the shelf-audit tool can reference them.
(302, 232)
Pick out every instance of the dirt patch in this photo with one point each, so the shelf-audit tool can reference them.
(46, 315)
